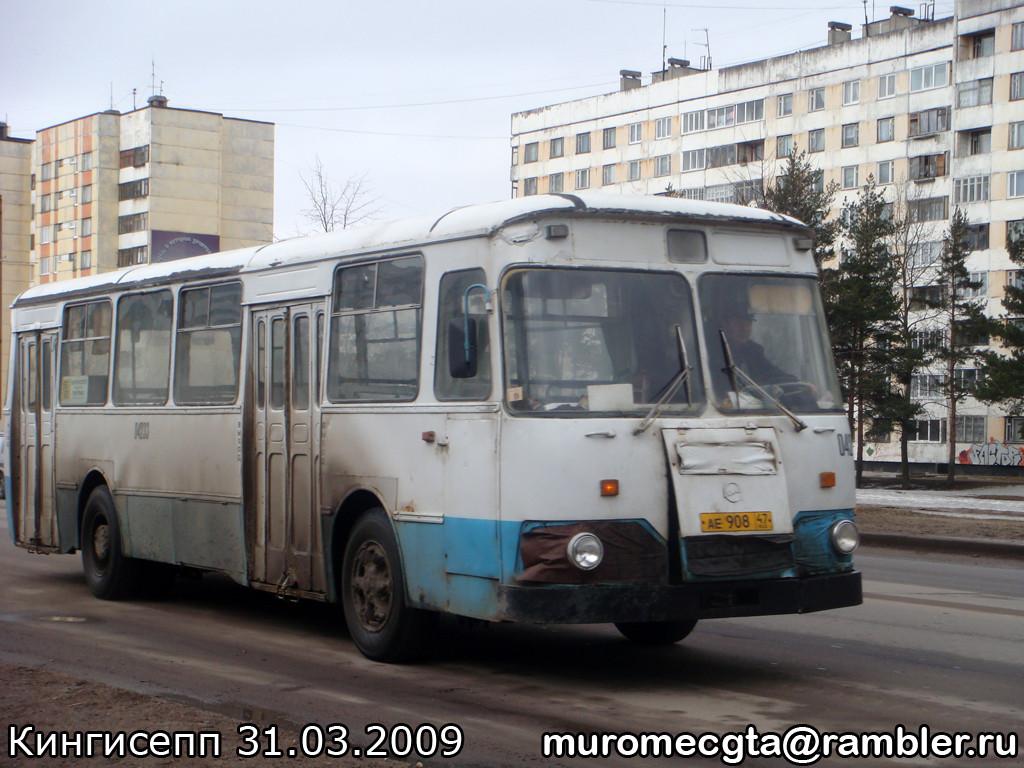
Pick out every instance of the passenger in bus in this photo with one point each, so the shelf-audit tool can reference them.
(747, 353)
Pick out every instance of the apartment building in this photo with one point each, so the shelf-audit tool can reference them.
(110, 190)
(933, 109)
(15, 218)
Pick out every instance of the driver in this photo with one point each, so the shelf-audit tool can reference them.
(748, 355)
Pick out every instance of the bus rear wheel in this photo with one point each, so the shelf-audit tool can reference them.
(656, 632)
(382, 625)
(109, 574)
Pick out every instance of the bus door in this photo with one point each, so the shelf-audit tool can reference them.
(37, 524)
(286, 431)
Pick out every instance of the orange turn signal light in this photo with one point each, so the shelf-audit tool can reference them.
(609, 487)
(827, 479)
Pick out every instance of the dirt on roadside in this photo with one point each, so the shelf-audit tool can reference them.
(52, 702)
(872, 519)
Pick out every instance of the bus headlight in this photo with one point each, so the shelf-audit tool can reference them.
(845, 537)
(585, 551)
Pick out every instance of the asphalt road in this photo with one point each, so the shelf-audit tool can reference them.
(938, 641)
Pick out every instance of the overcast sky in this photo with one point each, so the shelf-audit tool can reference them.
(415, 95)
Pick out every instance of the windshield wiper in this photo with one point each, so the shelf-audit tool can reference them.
(732, 369)
(678, 380)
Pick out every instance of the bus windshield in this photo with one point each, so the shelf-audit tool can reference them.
(775, 330)
(586, 342)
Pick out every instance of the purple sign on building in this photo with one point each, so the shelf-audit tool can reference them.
(168, 246)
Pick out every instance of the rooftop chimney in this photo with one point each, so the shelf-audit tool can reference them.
(3, 130)
(629, 79)
(839, 32)
(899, 10)
(157, 101)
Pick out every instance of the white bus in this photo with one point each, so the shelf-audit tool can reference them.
(565, 408)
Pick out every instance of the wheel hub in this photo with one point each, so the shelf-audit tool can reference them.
(101, 542)
(371, 586)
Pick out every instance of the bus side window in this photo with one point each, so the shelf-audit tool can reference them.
(208, 345)
(300, 363)
(451, 308)
(142, 352)
(261, 365)
(85, 354)
(29, 387)
(46, 385)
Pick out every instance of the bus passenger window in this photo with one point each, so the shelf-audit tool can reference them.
(261, 365)
(375, 331)
(208, 346)
(29, 389)
(85, 354)
(46, 385)
(453, 299)
(142, 356)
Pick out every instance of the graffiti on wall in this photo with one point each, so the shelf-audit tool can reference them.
(993, 454)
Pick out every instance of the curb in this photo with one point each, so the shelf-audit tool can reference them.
(947, 544)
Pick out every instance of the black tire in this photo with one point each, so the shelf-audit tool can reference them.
(656, 632)
(109, 574)
(381, 623)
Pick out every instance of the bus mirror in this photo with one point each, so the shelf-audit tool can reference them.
(462, 348)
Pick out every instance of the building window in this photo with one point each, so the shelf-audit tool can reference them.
(135, 222)
(555, 183)
(1015, 278)
(750, 111)
(86, 194)
(928, 121)
(663, 165)
(925, 386)
(1017, 86)
(530, 186)
(750, 152)
(556, 147)
(693, 159)
(849, 176)
(1015, 424)
(85, 260)
(608, 174)
(1014, 230)
(851, 134)
(722, 117)
(608, 138)
(784, 145)
(44, 265)
(930, 76)
(717, 157)
(885, 169)
(126, 257)
(815, 99)
(816, 140)
(975, 287)
(1017, 37)
(86, 162)
(928, 431)
(929, 209)
(977, 237)
(46, 171)
(45, 203)
(886, 129)
(130, 190)
(1015, 185)
(886, 86)
(851, 92)
(693, 121)
(974, 142)
(662, 127)
(582, 143)
(86, 228)
(636, 133)
(925, 254)
(530, 153)
(583, 178)
(784, 105)
(927, 166)
(973, 189)
(974, 93)
(135, 157)
(1016, 135)
(634, 170)
(979, 45)
(970, 429)
(720, 193)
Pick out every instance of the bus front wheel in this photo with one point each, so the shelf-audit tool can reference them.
(109, 574)
(656, 632)
(382, 625)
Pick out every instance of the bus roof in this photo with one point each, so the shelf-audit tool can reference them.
(468, 221)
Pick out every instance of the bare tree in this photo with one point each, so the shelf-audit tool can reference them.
(332, 207)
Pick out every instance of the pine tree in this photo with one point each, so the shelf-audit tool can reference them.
(863, 309)
(963, 321)
(798, 192)
(1003, 382)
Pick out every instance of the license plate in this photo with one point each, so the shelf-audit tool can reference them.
(735, 522)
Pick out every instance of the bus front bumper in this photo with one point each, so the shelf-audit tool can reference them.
(596, 604)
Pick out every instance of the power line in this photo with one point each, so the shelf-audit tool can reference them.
(717, 6)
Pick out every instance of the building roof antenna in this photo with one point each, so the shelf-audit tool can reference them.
(664, 45)
(706, 44)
